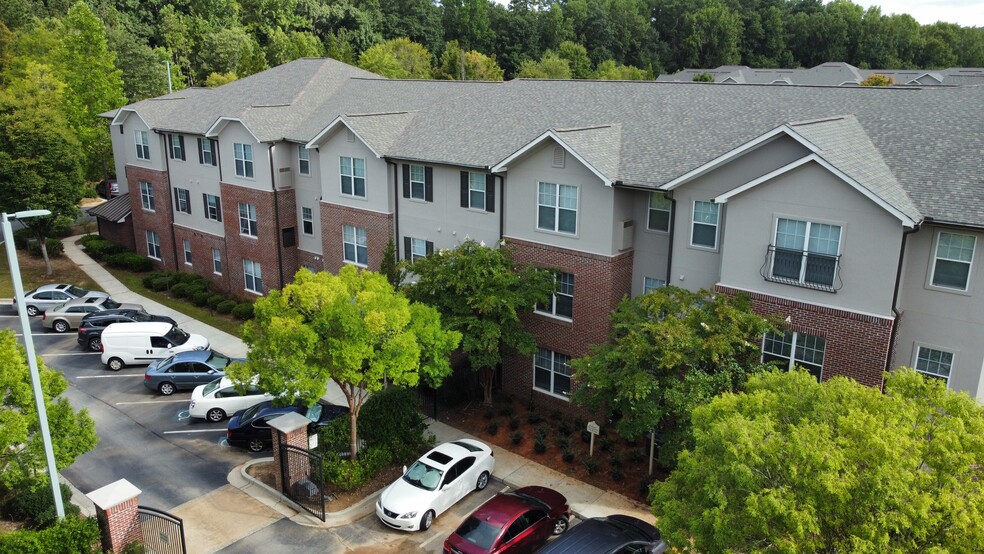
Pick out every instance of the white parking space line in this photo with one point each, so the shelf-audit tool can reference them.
(185, 401)
(57, 336)
(72, 354)
(110, 376)
(194, 431)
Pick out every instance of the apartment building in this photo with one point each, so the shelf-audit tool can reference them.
(854, 213)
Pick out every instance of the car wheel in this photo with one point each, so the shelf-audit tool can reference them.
(95, 344)
(425, 522)
(256, 445)
(561, 525)
(483, 481)
(167, 389)
(60, 326)
(32, 311)
(215, 415)
(115, 364)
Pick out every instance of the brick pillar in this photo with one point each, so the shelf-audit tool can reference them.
(116, 510)
(292, 429)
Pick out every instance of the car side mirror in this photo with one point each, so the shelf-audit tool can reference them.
(169, 345)
(404, 470)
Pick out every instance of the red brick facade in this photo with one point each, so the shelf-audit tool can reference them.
(379, 231)
(299, 467)
(120, 525)
(310, 260)
(600, 283)
(857, 345)
(159, 220)
(202, 264)
(120, 233)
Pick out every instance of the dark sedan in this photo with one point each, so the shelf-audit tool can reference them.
(518, 521)
(250, 428)
(609, 535)
(92, 326)
(186, 370)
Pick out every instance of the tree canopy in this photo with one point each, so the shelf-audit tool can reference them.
(352, 328)
(793, 465)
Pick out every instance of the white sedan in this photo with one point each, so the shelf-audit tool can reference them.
(434, 483)
(220, 398)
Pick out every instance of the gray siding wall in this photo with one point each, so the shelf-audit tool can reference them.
(156, 141)
(308, 190)
(121, 156)
(234, 133)
(198, 179)
(378, 177)
(651, 247)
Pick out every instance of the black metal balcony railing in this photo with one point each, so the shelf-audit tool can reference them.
(802, 269)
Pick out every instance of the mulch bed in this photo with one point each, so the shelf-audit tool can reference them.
(338, 499)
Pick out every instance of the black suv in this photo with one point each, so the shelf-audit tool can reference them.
(92, 326)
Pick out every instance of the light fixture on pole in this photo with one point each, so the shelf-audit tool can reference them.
(32, 359)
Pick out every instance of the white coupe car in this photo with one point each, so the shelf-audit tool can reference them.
(434, 483)
(220, 398)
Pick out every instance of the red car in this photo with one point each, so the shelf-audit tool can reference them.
(517, 521)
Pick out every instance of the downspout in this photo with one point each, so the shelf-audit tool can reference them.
(396, 207)
(225, 243)
(502, 206)
(276, 216)
(170, 197)
(895, 297)
(669, 250)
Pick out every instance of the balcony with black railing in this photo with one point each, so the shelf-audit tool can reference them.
(802, 269)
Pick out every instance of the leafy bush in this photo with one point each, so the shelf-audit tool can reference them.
(55, 248)
(513, 423)
(591, 465)
(616, 474)
(507, 411)
(636, 455)
(226, 306)
(130, 261)
(148, 280)
(200, 297)
(215, 299)
(607, 444)
(22, 237)
(243, 311)
(533, 418)
(100, 248)
(352, 474)
(190, 278)
(615, 461)
(390, 419)
(565, 428)
(567, 455)
(539, 445)
(86, 239)
(542, 432)
(492, 428)
(73, 535)
(33, 504)
(180, 290)
(517, 437)
(162, 283)
(562, 442)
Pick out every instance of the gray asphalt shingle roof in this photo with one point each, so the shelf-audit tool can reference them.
(114, 209)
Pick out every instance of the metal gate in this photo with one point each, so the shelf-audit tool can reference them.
(162, 532)
(302, 475)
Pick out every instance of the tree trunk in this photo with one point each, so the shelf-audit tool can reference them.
(486, 375)
(354, 436)
(47, 262)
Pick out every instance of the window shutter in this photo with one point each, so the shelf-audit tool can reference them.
(201, 155)
(215, 152)
(188, 198)
(429, 184)
(205, 203)
(181, 144)
(170, 146)
(464, 189)
(218, 207)
(406, 180)
(407, 249)
(177, 205)
(490, 193)
(429, 248)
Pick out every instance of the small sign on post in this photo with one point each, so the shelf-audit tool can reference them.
(594, 429)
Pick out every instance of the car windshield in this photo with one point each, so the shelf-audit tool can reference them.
(166, 362)
(140, 316)
(59, 307)
(218, 360)
(250, 413)
(110, 304)
(211, 387)
(423, 476)
(176, 336)
(480, 533)
(76, 291)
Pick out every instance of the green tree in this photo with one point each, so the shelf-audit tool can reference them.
(40, 159)
(550, 66)
(713, 36)
(669, 350)
(608, 70)
(218, 79)
(389, 266)
(704, 77)
(72, 433)
(456, 64)
(398, 59)
(878, 80)
(481, 293)
(793, 465)
(577, 59)
(353, 329)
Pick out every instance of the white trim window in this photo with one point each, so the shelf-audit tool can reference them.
(216, 261)
(705, 224)
(147, 196)
(660, 210)
(934, 363)
(352, 172)
(806, 252)
(177, 143)
(795, 349)
(303, 161)
(182, 200)
(561, 303)
(187, 251)
(477, 197)
(552, 372)
(243, 154)
(557, 208)
(247, 220)
(418, 182)
(418, 249)
(142, 142)
(153, 245)
(354, 245)
(253, 276)
(307, 221)
(213, 207)
(952, 261)
(650, 284)
(205, 154)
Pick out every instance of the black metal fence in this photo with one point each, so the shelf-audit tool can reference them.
(162, 532)
(302, 475)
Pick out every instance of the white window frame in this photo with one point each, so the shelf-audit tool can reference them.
(650, 284)
(476, 186)
(307, 221)
(153, 245)
(545, 356)
(187, 251)
(177, 147)
(937, 259)
(667, 208)
(418, 182)
(926, 356)
(142, 142)
(799, 343)
(353, 176)
(694, 223)
(418, 249)
(243, 155)
(562, 288)
(213, 207)
(216, 261)
(544, 203)
(355, 238)
(252, 276)
(208, 157)
(147, 196)
(184, 200)
(303, 161)
(805, 250)
(247, 220)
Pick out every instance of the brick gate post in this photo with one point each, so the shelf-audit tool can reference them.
(290, 428)
(116, 510)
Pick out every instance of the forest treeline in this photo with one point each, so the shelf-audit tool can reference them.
(209, 42)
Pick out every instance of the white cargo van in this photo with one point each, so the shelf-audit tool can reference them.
(141, 343)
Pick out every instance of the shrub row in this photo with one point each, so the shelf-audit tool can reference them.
(197, 290)
(72, 535)
(54, 246)
(99, 248)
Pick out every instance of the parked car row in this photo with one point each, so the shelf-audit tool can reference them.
(50, 296)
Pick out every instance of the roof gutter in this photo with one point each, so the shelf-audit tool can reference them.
(895, 296)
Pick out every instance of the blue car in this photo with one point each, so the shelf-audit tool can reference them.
(186, 370)
(250, 428)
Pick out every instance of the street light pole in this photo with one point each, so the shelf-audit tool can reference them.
(32, 359)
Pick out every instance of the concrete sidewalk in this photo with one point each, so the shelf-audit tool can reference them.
(206, 518)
